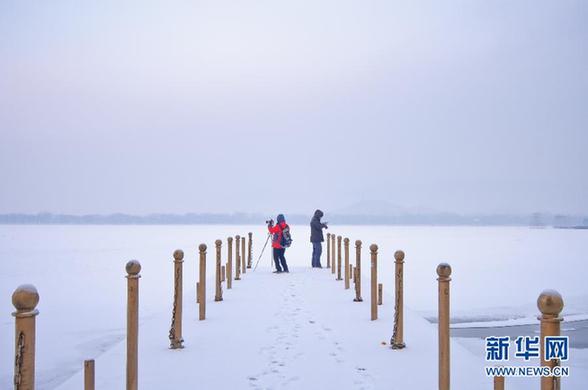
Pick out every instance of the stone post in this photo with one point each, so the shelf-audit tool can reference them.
(358, 272)
(347, 273)
(202, 283)
(444, 273)
(374, 286)
(339, 258)
(89, 375)
(328, 250)
(230, 263)
(25, 299)
(550, 304)
(237, 258)
(133, 268)
(333, 251)
(243, 262)
(223, 273)
(250, 250)
(218, 294)
(175, 333)
(398, 333)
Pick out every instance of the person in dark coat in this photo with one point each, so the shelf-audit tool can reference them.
(316, 237)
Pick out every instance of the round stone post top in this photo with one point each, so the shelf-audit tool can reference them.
(339, 238)
(357, 242)
(550, 303)
(237, 237)
(373, 248)
(399, 255)
(328, 234)
(230, 239)
(133, 267)
(250, 234)
(178, 254)
(218, 243)
(444, 270)
(25, 298)
(346, 240)
(202, 247)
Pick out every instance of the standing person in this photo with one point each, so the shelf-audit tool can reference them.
(280, 241)
(316, 237)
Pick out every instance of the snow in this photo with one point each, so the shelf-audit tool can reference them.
(79, 273)
(300, 330)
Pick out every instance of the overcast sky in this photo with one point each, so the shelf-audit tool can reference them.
(198, 106)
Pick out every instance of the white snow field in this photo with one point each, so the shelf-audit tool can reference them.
(299, 330)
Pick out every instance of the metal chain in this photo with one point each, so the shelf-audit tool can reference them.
(355, 281)
(18, 360)
(396, 312)
(249, 254)
(172, 331)
(556, 379)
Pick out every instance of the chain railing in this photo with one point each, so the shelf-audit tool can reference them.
(393, 342)
(18, 359)
(172, 331)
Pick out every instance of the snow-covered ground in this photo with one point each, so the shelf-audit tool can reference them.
(79, 272)
(293, 331)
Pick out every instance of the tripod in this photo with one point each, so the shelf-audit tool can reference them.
(261, 254)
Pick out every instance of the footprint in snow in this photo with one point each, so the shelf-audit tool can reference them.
(290, 380)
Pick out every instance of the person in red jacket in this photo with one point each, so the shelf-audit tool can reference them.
(278, 249)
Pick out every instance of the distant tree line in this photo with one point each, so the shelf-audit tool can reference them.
(448, 219)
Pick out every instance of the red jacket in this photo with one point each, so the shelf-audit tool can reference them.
(277, 234)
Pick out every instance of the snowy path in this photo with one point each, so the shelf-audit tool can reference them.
(291, 331)
(300, 347)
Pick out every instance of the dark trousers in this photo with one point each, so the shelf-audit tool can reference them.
(317, 250)
(280, 260)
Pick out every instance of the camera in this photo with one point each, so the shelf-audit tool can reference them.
(269, 222)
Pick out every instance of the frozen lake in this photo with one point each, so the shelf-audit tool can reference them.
(498, 272)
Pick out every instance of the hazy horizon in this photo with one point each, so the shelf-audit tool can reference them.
(225, 106)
